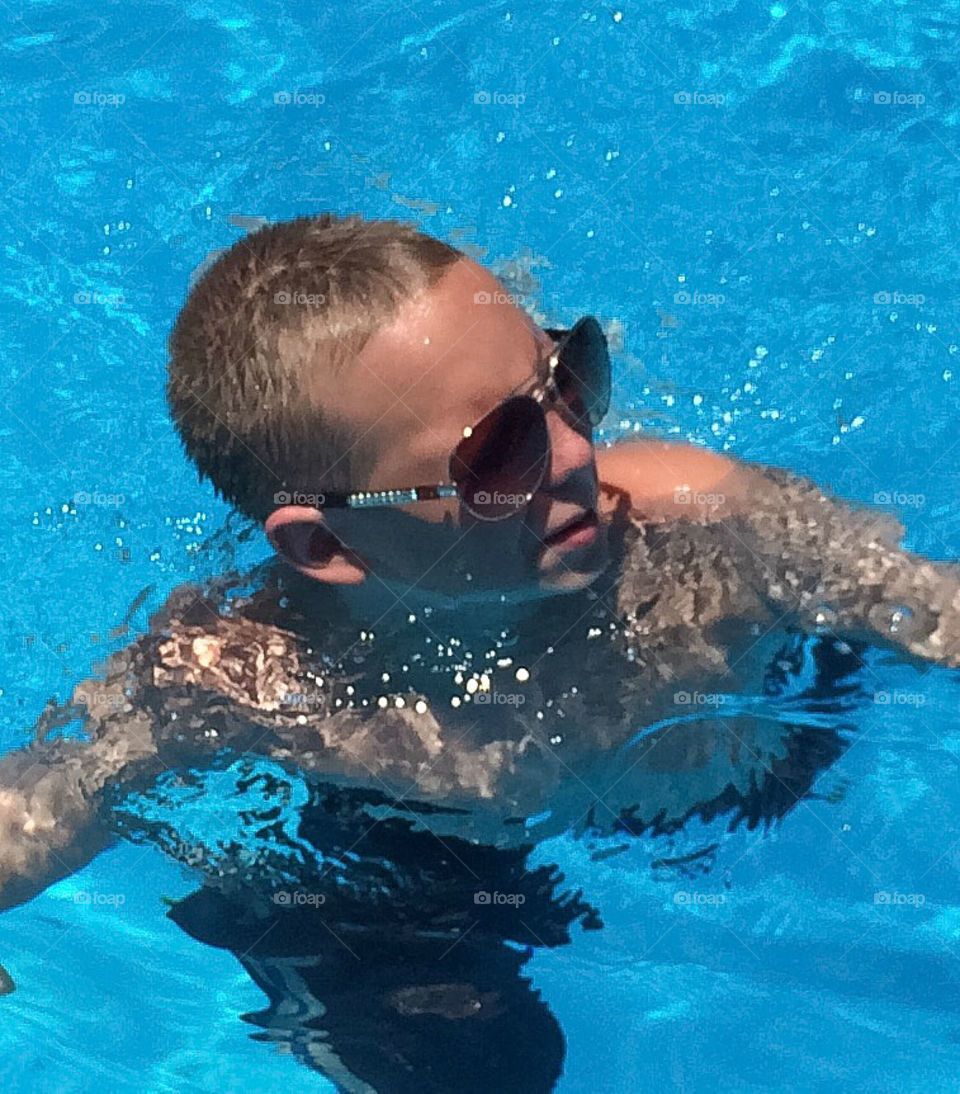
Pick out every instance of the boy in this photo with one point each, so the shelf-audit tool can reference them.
(473, 612)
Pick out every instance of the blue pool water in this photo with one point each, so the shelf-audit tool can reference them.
(763, 197)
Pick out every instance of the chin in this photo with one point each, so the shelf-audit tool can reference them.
(565, 580)
(569, 572)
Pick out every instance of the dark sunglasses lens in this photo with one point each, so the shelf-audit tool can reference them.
(583, 374)
(503, 461)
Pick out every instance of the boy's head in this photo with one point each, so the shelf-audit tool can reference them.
(329, 355)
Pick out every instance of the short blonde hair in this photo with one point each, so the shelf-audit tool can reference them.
(292, 302)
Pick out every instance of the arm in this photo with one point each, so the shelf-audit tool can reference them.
(54, 815)
(812, 559)
(51, 793)
(834, 566)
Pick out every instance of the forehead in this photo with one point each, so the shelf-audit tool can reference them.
(448, 356)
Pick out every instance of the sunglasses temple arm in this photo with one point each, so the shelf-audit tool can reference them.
(430, 492)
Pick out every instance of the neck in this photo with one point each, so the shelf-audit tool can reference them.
(385, 607)
(391, 603)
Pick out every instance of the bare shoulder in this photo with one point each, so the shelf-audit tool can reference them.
(667, 479)
(251, 663)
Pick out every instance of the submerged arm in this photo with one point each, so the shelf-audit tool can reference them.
(833, 566)
(51, 823)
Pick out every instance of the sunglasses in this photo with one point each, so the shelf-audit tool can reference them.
(503, 459)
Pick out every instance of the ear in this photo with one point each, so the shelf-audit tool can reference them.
(301, 537)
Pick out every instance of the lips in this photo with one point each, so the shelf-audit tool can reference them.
(585, 520)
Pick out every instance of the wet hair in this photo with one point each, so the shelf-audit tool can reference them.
(273, 322)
